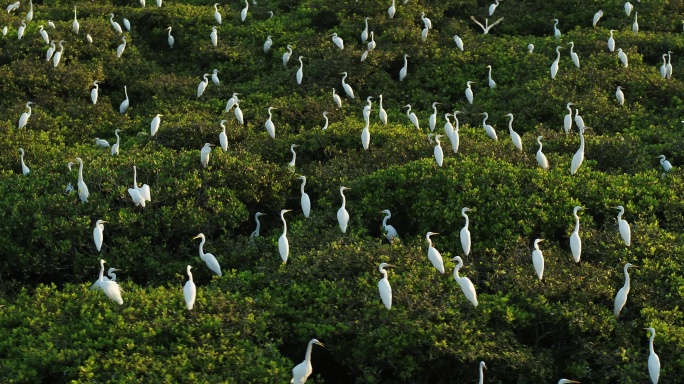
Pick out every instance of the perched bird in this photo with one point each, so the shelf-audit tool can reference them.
(291, 164)
(628, 8)
(208, 258)
(579, 121)
(488, 128)
(267, 44)
(232, 101)
(530, 48)
(217, 14)
(13, 7)
(667, 167)
(115, 25)
(556, 31)
(391, 10)
(300, 71)
(365, 135)
(578, 157)
(214, 77)
(438, 153)
(621, 296)
(541, 158)
(364, 33)
(465, 232)
(517, 141)
(214, 36)
(286, 55)
(57, 56)
(223, 138)
(492, 7)
(611, 42)
(623, 57)
(189, 290)
(74, 25)
(623, 226)
(154, 125)
(554, 65)
(469, 92)
(382, 114)
(109, 287)
(21, 29)
(347, 89)
(204, 154)
(243, 13)
(384, 286)
(573, 55)
(433, 254)
(390, 232)
(635, 24)
(482, 365)
(336, 98)
(427, 22)
(412, 116)
(325, 116)
(433, 118)
(620, 96)
(202, 85)
(24, 169)
(597, 17)
(270, 127)
(567, 121)
(466, 285)
(257, 231)
(94, 92)
(83, 193)
(124, 104)
(459, 42)
(342, 214)
(44, 35)
(98, 234)
(101, 143)
(23, 119)
(49, 52)
(283, 244)
(575, 241)
(404, 69)
(170, 38)
(538, 259)
(305, 201)
(653, 360)
(338, 41)
(302, 371)
(115, 147)
(122, 46)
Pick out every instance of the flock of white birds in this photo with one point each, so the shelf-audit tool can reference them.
(141, 194)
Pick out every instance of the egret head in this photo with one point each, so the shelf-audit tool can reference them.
(577, 208)
(284, 211)
(466, 209)
(383, 266)
(111, 15)
(427, 235)
(482, 365)
(21, 150)
(343, 189)
(629, 265)
(536, 242)
(259, 214)
(200, 236)
(325, 113)
(117, 131)
(215, 70)
(314, 341)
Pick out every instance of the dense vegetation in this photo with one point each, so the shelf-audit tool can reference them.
(253, 323)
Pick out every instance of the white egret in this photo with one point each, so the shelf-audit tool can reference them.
(159, 3)
(137, 198)
(23, 119)
(579, 121)
(384, 286)
(270, 127)
(202, 85)
(566, 381)
(347, 89)
(286, 55)
(74, 24)
(424, 33)
(238, 114)
(154, 125)
(367, 109)
(44, 35)
(382, 114)
(554, 65)
(628, 8)
(336, 97)
(89, 38)
(101, 143)
(82, 187)
(364, 55)
(620, 96)
(404, 69)
(530, 48)
(469, 92)
(190, 290)
(390, 232)
(482, 366)
(426, 21)
(94, 92)
(466, 285)
(24, 169)
(305, 201)
(214, 36)
(623, 226)
(98, 233)
(115, 25)
(573, 55)
(621, 296)
(291, 164)
(454, 137)
(663, 68)
(433, 117)
(217, 14)
(667, 167)
(439, 155)
(653, 359)
(623, 57)
(214, 77)
(300, 71)
(223, 138)
(268, 43)
(122, 46)
(575, 241)
(538, 259)
(371, 43)
(232, 101)
(541, 158)
(488, 128)
(556, 31)
(29, 14)
(144, 190)
(635, 24)
(109, 287)
(50, 51)
(204, 154)
(325, 116)
(124, 104)
(567, 121)
(448, 128)
(492, 7)
(365, 135)
(597, 17)
(669, 65)
(517, 141)
(283, 244)
(342, 214)
(57, 56)
(578, 157)
(302, 371)
(127, 24)
(243, 13)
(338, 41)
(433, 254)
(611, 42)
(21, 29)
(257, 231)
(465, 232)
(112, 277)
(115, 147)
(13, 7)
(412, 116)
(492, 83)
(4, 31)
(459, 42)
(208, 258)
(170, 38)
(364, 33)
(391, 10)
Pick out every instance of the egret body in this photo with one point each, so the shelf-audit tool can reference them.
(115, 147)
(300, 71)
(283, 244)
(302, 371)
(433, 117)
(204, 154)
(24, 169)
(305, 201)
(202, 85)
(433, 254)
(575, 241)
(94, 92)
(342, 214)
(538, 259)
(57, 56)
(257, 231)
(23, 119)
(154, 125)
(466, 285)
(208, 258)
(554, 65)
(115, 25)
(270, 127)
(286, 55)
(469, 92)
(611, 42)
(492, 83)
(98, 234)
(124, 104)
(384, 286)
(623, 226)
(223, 138)
(338, 41)
(382, 114)
(189, 290)
(214, 36)
(517, 141)
(578, 157)
(488, 128)
(170, 38)
(347, 88)
(82, 187)
(109, 287)
(620, 96)
(573, 55)
(404, 69)
(541, 158)
(621, 297)
(390, 232)
(653, 360)
(667, 167)
(122, 46)
(217, 14)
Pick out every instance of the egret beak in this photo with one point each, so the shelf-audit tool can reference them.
(212, 145)
(321, 344)
(104, 221)
(196, 237)
(287, 210)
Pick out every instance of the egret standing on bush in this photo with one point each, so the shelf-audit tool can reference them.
(488, 128)
(291, 164)
(115, 147)
(283, 244)
(653, 359)
(433, 254)
(541, 158)
(554, 65)
(98, 234)
(202, 85)
(300, 71)
(124, 104)
(667, 167)
(621, 296)
(256, 232)
(412, 116)
(469, 92)
(23, 119)
(389, 230)
(24, 169)
(578, 157)
(342, 214)
(190, 290)
(82, 187)
(270, 127)
(170, 38)
(214, 36)
(517, 141)
(575, 241)
(347, 89)
(623, 226)
(154, 125)
(208, 258)
(94, 92)
(384, 286)
(204, 154)
(538, 259)
(302, 371)
(109, 287)
(305, 201)
(466, 285)
(404, 69)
